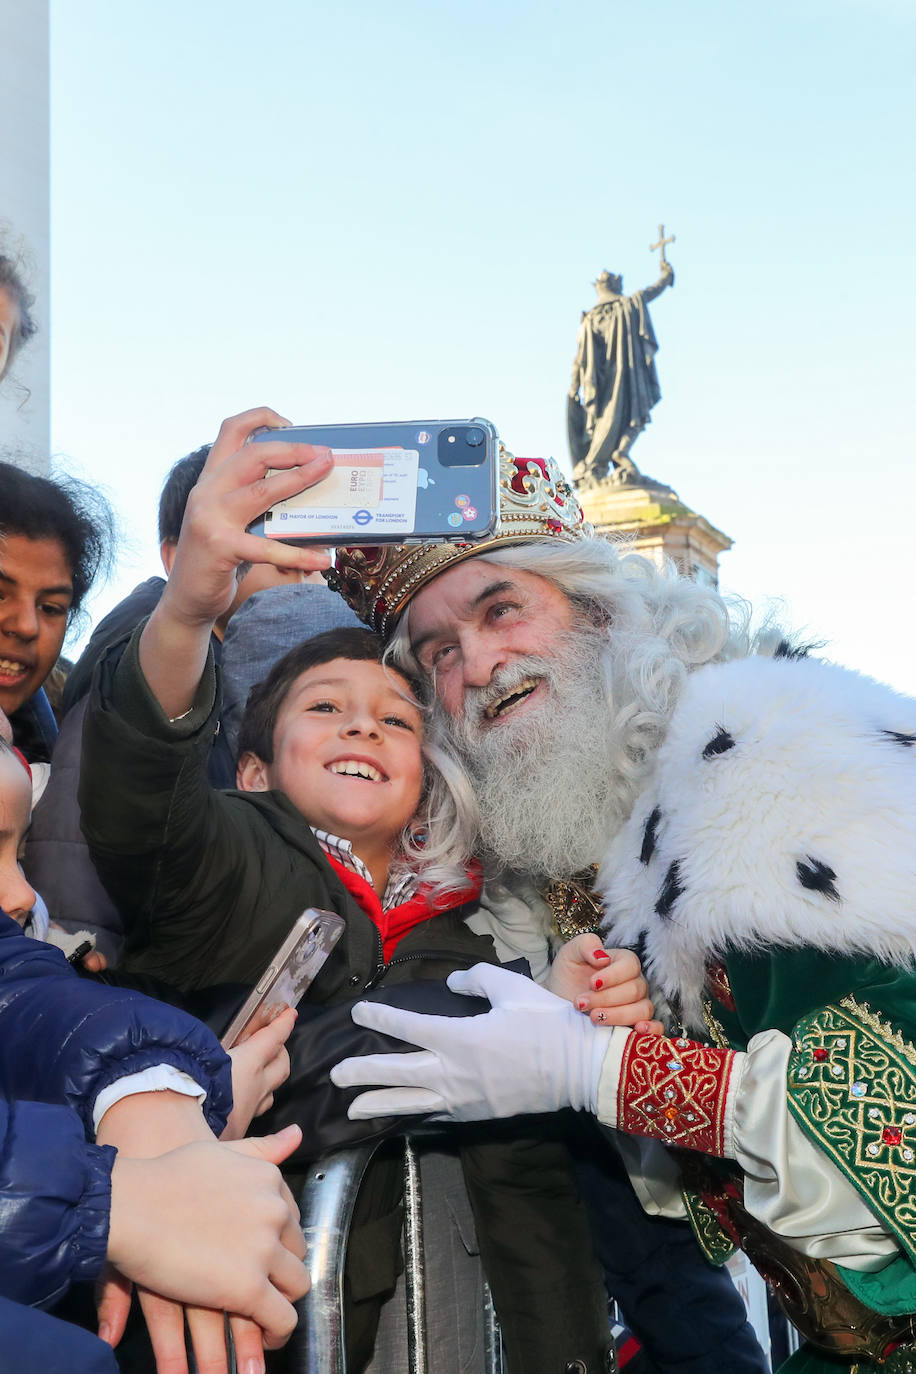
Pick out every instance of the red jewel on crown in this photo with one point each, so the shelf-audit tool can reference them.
(820, 1055)
(521, 473)
(892, 1135)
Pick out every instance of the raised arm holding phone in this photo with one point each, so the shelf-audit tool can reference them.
(233, 490)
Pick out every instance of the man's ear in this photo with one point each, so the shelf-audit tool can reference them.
(251, 774)
(167, 550)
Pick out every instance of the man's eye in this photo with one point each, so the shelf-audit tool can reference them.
(440, 655)
(51, 608)
(502, 609)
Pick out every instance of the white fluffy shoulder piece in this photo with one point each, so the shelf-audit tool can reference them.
(782, 811)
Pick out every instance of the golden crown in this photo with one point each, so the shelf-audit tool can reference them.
(535, 502)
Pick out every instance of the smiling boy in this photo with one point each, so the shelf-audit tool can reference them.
(330, 778)
(345, 749)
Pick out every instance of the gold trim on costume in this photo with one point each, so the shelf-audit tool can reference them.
(852, 1088)
(576, 909)
(716, 1030)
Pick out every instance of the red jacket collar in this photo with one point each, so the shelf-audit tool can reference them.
(394, 924)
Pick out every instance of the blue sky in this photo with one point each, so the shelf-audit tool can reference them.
(358, 212)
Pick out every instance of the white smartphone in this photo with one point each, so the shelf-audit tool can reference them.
(416, 480)
(293, 968)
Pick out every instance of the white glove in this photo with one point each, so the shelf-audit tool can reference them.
(533, 1052)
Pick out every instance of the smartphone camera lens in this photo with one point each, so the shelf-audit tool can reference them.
(462, 446)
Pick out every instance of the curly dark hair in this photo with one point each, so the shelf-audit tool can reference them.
(13, 282)
(60, 508)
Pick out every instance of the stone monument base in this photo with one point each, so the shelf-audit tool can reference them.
(657, 522)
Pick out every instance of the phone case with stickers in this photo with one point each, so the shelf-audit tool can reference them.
(392, 483)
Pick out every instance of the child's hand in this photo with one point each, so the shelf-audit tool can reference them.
(205, 1231)
(260, 1063)
(233, 490)
(605, 984)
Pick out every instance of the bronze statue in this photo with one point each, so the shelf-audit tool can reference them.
(614, 382)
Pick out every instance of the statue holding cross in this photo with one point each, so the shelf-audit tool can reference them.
(614, 383)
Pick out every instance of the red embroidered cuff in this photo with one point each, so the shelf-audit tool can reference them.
(676, 1091)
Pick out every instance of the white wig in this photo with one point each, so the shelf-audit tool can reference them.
(437, 845)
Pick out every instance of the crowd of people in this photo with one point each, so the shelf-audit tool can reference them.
(516, 769)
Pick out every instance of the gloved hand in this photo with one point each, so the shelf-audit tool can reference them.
(532, 1052)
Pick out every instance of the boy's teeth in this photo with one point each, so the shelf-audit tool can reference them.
(9, 667)
(357, 770)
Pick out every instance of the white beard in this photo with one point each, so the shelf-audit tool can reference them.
(548, 779)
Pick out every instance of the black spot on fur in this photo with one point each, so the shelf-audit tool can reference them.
(719, 744)
(649, 835)
(817, 877)
(786, 649)
(906, 740)
(671, 890)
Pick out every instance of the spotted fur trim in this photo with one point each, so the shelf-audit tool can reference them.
(782, 811)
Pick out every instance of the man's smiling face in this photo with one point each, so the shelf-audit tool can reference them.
(472, 627)
(36, 589)
(520, 674)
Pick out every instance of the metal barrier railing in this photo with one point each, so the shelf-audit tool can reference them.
(417, 1345)
(327, 1203)
(328, 1199)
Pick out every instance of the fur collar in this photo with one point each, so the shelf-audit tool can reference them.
(782, 811)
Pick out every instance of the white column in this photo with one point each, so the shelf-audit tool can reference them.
(25, 394)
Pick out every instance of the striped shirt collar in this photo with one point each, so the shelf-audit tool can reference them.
(400, 888)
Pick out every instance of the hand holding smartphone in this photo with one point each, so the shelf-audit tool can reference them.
(293, 968)
(418, 480)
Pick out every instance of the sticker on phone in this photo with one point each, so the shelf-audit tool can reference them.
(366, 488)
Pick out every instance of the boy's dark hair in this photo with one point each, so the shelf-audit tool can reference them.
(12, 281)
(256, 732)
(177, 488)
(72, 512)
